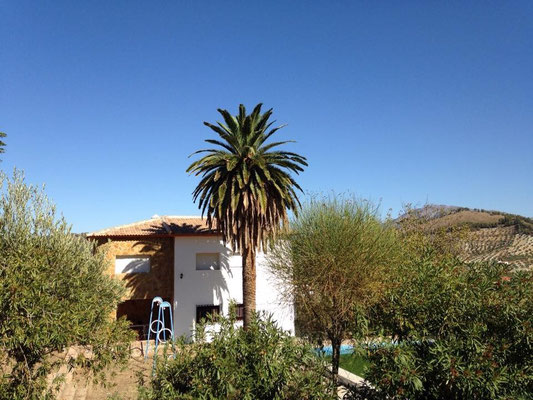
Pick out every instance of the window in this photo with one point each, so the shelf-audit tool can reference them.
(132, 264)
(207, 261)
(206, 310)
(239, 309)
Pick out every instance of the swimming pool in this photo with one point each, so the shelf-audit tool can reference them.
(348, 348)
(328, 350)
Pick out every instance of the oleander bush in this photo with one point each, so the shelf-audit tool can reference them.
(262, 362)
(454, 331)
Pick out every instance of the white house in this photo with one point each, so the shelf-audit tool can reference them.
(184, 262)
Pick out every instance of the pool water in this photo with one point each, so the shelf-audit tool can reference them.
(328, 350)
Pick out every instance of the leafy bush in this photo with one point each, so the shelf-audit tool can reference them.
(53, 295)
(332, 264)
(460, 332)
(261, 362)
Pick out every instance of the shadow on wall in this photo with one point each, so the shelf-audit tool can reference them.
(159, 281)
(210, 278)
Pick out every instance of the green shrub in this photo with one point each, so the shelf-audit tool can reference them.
(53, 295)
(461, 332)
(333, 263)
(261, 362)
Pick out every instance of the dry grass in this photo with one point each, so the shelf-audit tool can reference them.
(469, 217)
(122, 382)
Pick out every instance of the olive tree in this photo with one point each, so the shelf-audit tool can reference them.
(333, 259)
(54, 295)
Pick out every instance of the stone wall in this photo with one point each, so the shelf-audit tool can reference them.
(159, 281)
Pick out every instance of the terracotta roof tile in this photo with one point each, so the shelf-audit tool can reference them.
(159, 226)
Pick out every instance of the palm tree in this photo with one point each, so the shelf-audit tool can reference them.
(246, 189)
(2, 144)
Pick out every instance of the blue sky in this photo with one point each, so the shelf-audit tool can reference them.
(400, 102)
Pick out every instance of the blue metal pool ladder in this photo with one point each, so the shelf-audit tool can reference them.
(160, 331)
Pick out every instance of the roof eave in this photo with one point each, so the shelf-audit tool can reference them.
(164, 235)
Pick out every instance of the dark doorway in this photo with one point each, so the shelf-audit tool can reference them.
(137, 312)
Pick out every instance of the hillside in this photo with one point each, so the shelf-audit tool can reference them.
(494, 235)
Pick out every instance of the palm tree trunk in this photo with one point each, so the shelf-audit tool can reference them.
(248, 285)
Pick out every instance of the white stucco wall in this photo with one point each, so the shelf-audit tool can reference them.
(192, 287)
(269, 296)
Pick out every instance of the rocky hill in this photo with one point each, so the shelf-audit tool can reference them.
(494, 235)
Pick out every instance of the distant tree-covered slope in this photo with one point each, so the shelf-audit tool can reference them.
(494, 235)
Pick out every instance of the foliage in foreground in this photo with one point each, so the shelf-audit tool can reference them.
(53, 295)
(334, 260)
(261, 362)
(460, 332)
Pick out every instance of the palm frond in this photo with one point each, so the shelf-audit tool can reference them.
(246, 190)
